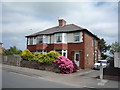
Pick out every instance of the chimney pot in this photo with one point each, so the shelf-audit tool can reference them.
(62, 22)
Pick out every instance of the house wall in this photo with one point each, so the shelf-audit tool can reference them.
(60, 46)
(32, 48)
(89, 50)
(85, 47)
(70, 37)
(41, 46)
(72, 47)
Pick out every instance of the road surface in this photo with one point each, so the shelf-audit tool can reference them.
(19, 77)
(16, 80)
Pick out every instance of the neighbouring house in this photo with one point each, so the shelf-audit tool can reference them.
(72, 41)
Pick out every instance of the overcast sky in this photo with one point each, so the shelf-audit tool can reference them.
(23, 18)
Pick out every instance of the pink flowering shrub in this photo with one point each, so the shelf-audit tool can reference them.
(64, 64)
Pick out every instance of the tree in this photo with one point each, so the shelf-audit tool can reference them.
(13, 51)
(103, 47)
(115, 47)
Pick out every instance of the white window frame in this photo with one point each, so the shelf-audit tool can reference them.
(64, 51)
(64, 37)
(45, 39)
(34, 40)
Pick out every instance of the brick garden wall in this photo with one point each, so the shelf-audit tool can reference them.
(36, 65)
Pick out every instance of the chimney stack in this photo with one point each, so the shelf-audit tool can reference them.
(62, 22)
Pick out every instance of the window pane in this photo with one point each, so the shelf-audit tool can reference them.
(64, 54)
(58, 37)
(31, 41)
(76, 38)
(40, 39)
(77, 57)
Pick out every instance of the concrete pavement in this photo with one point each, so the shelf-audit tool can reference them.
(82, 79)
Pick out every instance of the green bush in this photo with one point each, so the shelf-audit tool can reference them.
(44, 59)
(27, 55)
(53, 55)
(36, 56)
(48, 58)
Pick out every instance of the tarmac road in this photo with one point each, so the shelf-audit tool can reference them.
(16, 80)
(25, 77)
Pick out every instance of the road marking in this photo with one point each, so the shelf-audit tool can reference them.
(102, 82)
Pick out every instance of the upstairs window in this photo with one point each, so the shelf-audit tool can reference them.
(31, 41)
(76, 37)
(40, 39)
(58, 37)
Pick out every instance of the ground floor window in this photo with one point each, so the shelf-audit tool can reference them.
(42, 51)
(62, 52)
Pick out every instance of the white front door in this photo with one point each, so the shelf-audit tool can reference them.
(77, 58)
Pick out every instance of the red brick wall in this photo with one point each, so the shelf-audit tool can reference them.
(32, 48)
(72, 47)
(88, 51)
(41, 46)
(50, 47)
(60, 46)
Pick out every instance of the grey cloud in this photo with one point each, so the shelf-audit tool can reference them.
(19, 17)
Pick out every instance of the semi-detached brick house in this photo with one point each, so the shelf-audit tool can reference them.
(72, 41)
